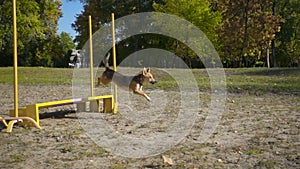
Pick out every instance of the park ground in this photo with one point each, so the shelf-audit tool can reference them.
(258, 129)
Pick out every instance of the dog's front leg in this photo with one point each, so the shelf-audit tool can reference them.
(99, 82)
(140, 92)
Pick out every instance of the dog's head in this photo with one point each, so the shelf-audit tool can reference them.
(148, 77)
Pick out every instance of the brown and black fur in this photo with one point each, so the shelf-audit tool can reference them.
(131, 83)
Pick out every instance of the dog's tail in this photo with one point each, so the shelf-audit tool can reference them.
(105, 60)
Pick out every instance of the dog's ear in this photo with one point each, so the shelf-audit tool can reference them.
(146, 70)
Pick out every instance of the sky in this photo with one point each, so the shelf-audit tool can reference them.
(69, 10)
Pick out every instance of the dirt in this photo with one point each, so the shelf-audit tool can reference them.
(253, 132)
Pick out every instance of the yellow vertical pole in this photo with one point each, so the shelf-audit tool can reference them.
(91, 56)
(114, 61)
(16, 99)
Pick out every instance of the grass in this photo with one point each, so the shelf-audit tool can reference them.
(17, 157)
(95, 153)
(240, 80)
(253, 152)
(262, 80)
(37, 76)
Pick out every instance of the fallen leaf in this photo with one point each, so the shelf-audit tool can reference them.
(193, 168)
(167, 160)
(238, 150)
(220, 160)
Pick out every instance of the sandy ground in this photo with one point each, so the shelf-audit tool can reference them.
(254, 132)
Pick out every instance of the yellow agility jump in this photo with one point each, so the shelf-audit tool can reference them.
(32, 111)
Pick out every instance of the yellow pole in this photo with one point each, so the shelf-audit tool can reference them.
(16, 103)
(91, 56)
(114, 61)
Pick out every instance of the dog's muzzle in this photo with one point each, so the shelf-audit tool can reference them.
(153, 82)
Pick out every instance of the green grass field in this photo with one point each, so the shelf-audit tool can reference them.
(37, 76)
(240, 80)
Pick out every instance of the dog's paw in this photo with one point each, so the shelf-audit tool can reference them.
(149, 99)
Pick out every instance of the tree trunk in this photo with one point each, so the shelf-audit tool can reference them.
(273, 54)
(245, 38)
(273, 41)
(268, 54)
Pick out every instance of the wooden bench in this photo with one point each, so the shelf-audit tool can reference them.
(32, 111)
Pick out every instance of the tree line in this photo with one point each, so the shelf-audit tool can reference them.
(38, 41)
(245, 33)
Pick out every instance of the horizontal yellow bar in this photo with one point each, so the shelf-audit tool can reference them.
(61, 102)
(100, 97)
(70, 101)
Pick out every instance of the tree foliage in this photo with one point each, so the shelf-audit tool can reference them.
(288, 39)
(244, 32)
(197, 12)
(248, 28)
(100, 12)
(38, 42)
(200, 14)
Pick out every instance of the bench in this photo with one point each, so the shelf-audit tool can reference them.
(32, 111)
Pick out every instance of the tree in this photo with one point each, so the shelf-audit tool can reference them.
(100, 12)
(29, 28)
(37, 27)
(61, 54)
(200, 14)
(248, 28)
(288, 39)
(49, 13)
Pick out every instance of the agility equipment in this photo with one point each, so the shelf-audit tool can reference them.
(3, 120)
(13, 120)
(32, 111)
(115, 96)
(16, 118)
(29, 115)
(114, 61)
(16, 92)
(91, 56)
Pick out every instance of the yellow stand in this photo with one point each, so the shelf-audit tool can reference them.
(3, 121)
(14, 120)
(32, 111)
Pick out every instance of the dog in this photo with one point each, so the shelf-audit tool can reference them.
(131, 83)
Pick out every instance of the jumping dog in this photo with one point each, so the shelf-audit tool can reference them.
(131, 83)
